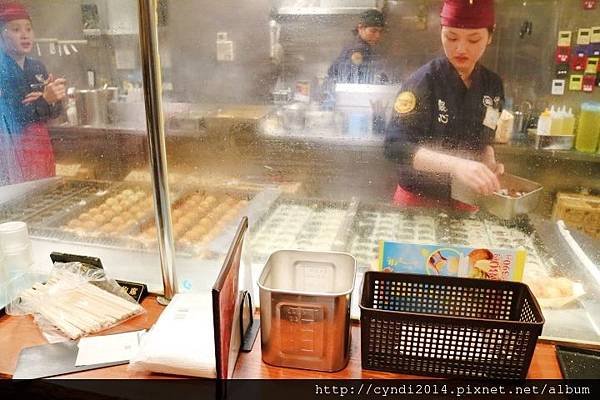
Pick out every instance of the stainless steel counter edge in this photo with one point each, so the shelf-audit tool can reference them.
(373, 141)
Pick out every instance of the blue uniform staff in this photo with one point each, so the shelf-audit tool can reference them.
(436, 110)
(446, 114)
(359, 62)
(29, 97)
(17, 83)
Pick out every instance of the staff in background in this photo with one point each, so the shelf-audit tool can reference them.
(29, 97)
(359, 61)
(446, 114)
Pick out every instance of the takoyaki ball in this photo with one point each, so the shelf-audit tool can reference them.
(177, 213)
(111, 202)
(85, 217)
(117, 221)
(94, 211)
(117, 209)
(89, 225)
(74, 223)
(99, 219)
(107, 228)
(128, 217)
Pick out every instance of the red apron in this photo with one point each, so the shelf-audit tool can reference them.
(405, 198)
(33, 150)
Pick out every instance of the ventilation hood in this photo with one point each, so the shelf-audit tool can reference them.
(325, 7)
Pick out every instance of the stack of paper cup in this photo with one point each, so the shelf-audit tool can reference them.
(16, 247)
(3, 276)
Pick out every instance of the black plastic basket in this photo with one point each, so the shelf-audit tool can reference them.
(449, 327)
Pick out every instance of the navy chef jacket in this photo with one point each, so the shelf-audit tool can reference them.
(359, 63)
(15, 84)
(436, 110)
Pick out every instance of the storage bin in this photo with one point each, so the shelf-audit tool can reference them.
(581, 211)
(305, 309)
(448, 327)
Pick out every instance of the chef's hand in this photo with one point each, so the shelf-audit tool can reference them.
(477, 176)
(31, 97)
(489, 159)
(55, 90)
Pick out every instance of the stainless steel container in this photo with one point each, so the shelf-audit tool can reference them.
(92, 107)
(505, 207)
(554, 142)
(305, 302)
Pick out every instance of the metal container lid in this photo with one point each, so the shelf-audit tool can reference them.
(309, 273)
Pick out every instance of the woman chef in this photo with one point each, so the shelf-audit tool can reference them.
(28, 98)
(446, 114)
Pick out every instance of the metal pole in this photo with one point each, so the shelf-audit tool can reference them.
(148, 20)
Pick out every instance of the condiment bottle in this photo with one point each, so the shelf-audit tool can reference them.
(588, 130)
(569, 123)
(544, 123)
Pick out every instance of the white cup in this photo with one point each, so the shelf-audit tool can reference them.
(14, 236)
(3, 274)
(17, 261)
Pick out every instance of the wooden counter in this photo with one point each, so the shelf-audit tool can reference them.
(20, 332)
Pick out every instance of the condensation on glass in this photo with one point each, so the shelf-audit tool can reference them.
(259, 123)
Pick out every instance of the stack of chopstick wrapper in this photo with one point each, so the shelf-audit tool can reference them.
(78, 308)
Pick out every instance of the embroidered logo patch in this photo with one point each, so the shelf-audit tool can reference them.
(356, 58)
(405, 102)
(442, 106)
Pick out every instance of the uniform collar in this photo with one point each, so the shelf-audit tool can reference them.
(454, 76)
(7, 60)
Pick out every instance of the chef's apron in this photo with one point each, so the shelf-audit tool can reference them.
(404, 198)
(33, 150)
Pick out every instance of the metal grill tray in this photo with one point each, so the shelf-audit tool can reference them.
(56, 226)
(302, 224)
(27, 207)
(195, 247)
(376, 222)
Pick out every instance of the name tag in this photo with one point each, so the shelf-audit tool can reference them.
(491, 117)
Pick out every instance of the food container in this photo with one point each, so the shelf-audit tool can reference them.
(92, 107)
(319, 120)
(294, 116)
(14, 235)
(305, 302)
(500, 205)
(554, 142)
(447, 326)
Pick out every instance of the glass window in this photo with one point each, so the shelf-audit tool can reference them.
(333, 125)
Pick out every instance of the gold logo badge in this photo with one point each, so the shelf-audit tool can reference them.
(405, 102)
(357, 58)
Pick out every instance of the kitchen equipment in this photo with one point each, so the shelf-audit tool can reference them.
(92, 107)
(581, 211)
(576, 363)
(361, 104)
(305, 302)
(447, 326)
(319, 120)
(554, 142)
(500, 205)
(294, 116)
(519, 123)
